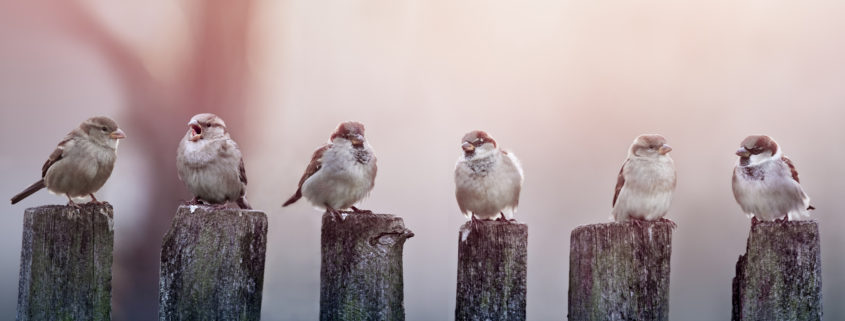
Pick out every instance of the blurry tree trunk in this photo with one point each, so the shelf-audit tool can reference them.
(214, 80)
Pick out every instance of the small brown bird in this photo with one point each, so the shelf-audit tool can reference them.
(81, 163)
(646, 182)
(765, 183)
(488, 180)
(210, 164)
(340, 173)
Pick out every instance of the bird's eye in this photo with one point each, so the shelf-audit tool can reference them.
(104, 128)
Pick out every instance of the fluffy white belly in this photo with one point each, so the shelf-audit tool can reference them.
(337, 188)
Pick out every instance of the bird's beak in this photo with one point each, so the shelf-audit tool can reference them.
(742, 152)
(117, 134)
(468, 147)
(357, 140)
(664, 149)
(196, 130)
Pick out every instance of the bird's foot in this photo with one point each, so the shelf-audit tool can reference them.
(502, 218)
(671, 223)
(637, 222)
(473, 222)
(335, 213)
(782, 220)
(95, 201)
(754, 221)
(357, 210)
(73, 204)
(221, 206)
(194, 201)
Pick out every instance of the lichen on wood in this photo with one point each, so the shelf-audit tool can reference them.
(361, 271)
(66, 261)
(620, 271)
(212, 264)
(779, 277)
(492, 270)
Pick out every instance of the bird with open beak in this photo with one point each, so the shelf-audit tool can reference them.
(81, 163)
(210, 163)
(487, 179)
(340, 173)
(765, 183)
(646, 181)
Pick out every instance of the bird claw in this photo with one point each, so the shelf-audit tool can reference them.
(357, 210)
(502, 218)
(221, 206)
(670, 222)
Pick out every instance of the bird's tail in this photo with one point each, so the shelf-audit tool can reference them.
(293, 198)
(28, 191)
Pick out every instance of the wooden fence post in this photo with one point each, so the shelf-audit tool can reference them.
(66, 261)
(361, 269)
(492, 269)
(780, 275)
(620, 271)
(212, 264)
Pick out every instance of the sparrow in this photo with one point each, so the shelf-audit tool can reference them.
(81, 163)
(487, 179)
(765, 183)
(340, 173)
(645, 182)
(210, 163)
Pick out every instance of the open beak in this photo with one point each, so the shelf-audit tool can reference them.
(468, 147)
(196, 130)
(664, 149)
(117, 134)
(742, 152)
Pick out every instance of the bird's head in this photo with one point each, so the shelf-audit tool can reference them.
(757, 149)
(351, 131)
(206, 126)
(102, 130)
(649, 145)
(478, 143)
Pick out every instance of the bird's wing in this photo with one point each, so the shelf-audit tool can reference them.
(620, 181)
(518, 179)
(57, 154)
(795, 177)
(242, 172)
(791, 168)
(314, 166)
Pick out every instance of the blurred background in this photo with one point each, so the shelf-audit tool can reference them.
(565, 85)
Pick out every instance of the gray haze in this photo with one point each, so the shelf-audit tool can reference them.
(565, 85)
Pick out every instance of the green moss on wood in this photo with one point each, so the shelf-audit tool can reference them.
(66, 263)
(620, 271)
(212, 265)
(779, 277)
(492, 270)
(361, 271)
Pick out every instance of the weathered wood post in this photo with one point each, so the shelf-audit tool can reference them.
(620, 271)
(66, 262)
(492, 269)
(780, 275)
(361, 269)
(212, 264)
